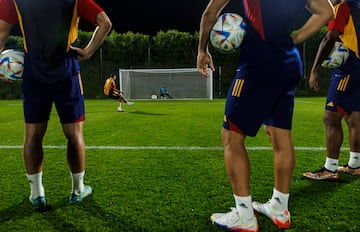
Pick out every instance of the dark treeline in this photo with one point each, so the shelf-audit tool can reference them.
(166, 49)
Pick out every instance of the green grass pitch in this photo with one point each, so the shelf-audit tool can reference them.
(159, 167)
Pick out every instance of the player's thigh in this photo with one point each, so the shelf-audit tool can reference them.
(353, 120)
(249, 102)
(35, 131)
(281, 112)
(73, 131)
(69, 100)
(37, 101)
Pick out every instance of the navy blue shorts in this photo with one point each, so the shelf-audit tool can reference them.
(344, 93)
(252, 102)
(67, 95)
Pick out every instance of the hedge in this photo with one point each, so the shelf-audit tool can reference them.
(170, 49)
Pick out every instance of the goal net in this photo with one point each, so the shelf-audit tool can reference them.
(182, 83)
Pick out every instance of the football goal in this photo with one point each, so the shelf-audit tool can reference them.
(181, 83)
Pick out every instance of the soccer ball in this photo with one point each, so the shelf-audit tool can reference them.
(228, 33)
(337, 57)
(153, 96)
(12, 64)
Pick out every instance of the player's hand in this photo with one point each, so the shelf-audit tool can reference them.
(314, 82)
(2, 78)
(82, 54)
(204, 61)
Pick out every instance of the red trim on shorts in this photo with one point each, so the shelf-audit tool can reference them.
(81, 119)
(341, 110)
(234, 128)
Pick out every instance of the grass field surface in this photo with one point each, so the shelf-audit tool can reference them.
(159, 167)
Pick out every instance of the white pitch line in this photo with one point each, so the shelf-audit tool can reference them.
(196, 148)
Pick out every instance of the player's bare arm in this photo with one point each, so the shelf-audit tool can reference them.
(208, 18)
(325, 47)
(101, 31)
(322, 12)
(324, 50)
(5, 29)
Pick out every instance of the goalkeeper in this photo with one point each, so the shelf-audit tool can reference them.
(113, 92)
(164, 92)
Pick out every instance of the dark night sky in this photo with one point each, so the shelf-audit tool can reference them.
(149, 17)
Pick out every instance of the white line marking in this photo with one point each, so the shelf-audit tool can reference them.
(302, 101)
(168, 148)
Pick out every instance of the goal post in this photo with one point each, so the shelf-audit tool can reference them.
(182, 83)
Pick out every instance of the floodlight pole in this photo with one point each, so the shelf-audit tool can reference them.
(219, 82)
(101, 68)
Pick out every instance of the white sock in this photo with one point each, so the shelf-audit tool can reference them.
(331, 164)
(354, 160)
(279, 201)
(36, 186)
(77, 180)
(244, 206)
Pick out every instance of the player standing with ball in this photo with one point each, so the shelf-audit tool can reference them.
(52, 75)
(262, 92)
(343, 98)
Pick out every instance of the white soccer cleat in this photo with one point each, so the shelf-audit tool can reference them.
(280, 218)
(232, 222)
(130, 103)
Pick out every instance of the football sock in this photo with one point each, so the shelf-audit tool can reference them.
(36, 186)
(354, 160)
(279, 201)
(331, 164)
(244, 206)
(77, 182)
